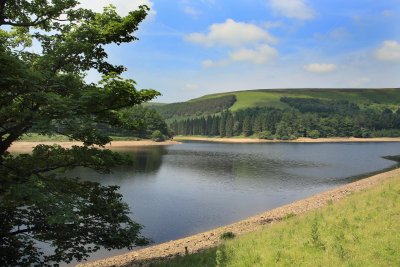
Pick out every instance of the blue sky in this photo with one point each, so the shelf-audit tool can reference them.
(191, 48)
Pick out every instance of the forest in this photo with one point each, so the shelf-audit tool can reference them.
(306, 117)
(200, 107)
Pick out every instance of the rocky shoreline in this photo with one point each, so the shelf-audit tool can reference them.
(209, 239)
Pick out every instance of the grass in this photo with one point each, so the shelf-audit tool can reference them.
(257, 99)
(377, 99)
(361, 230)
(34, 137)
(372, 98)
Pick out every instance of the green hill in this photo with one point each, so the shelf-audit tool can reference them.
(388, 98)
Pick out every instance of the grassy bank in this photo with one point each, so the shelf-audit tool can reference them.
(361, 230)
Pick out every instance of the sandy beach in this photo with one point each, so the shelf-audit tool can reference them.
(199, 242)
(25, 147)
(299, 140)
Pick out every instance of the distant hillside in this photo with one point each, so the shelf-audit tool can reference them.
(378, 99)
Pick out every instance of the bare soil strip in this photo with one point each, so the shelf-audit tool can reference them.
(24, 147)
(299, 140)
(196, 243)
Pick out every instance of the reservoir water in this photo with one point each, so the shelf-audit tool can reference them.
(185, 189)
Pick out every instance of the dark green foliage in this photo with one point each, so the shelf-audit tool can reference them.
(157, 136)
(227, 235)
(265, 135)
(229, 130)
(46, 93)
(288, 124)
(315, 105)
(210, 106)
(147, 119)
(314, 134)
(38, 204)
(247, 131)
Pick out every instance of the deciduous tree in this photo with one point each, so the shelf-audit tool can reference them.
(45, 92)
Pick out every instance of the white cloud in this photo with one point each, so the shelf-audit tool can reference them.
(209, 63)
(192, 11)
(389, 51)
(315, 67)
(190, 86)
(272, 24)
(123, 7)
(261, 55)
(231, 33)
(360, 82)
(293, 8)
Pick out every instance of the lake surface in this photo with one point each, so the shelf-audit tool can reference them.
(185, 189)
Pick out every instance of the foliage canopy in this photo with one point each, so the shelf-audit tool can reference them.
(45, 92)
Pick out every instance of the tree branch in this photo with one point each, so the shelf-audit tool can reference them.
(26, 24)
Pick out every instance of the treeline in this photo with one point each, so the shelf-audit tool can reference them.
(326, 119)
(210, 106)
(315, 105)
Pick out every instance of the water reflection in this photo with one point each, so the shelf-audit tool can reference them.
(146, 159)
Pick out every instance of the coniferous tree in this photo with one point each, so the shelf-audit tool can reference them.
(229, 125)
(222, 125)
(247, 126)
(215, 126)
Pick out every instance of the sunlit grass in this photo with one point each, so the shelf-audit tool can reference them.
(362, 230)
(34, 137)
(366, 98)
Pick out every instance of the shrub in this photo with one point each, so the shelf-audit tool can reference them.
(266, 135)
(314, 134)
(157, 136)
(227, 235)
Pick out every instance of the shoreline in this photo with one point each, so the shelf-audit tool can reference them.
(209, 239)
(27, 146)
(299, 140)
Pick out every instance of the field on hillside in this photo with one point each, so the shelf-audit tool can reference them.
(364, 98)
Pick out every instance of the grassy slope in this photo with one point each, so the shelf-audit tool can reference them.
(271, 97)
(361, 230)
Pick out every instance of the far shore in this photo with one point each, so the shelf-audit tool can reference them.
(299, 140)
(27, 146)
(24, 146)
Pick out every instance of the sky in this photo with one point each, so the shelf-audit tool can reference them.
(187, 49)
